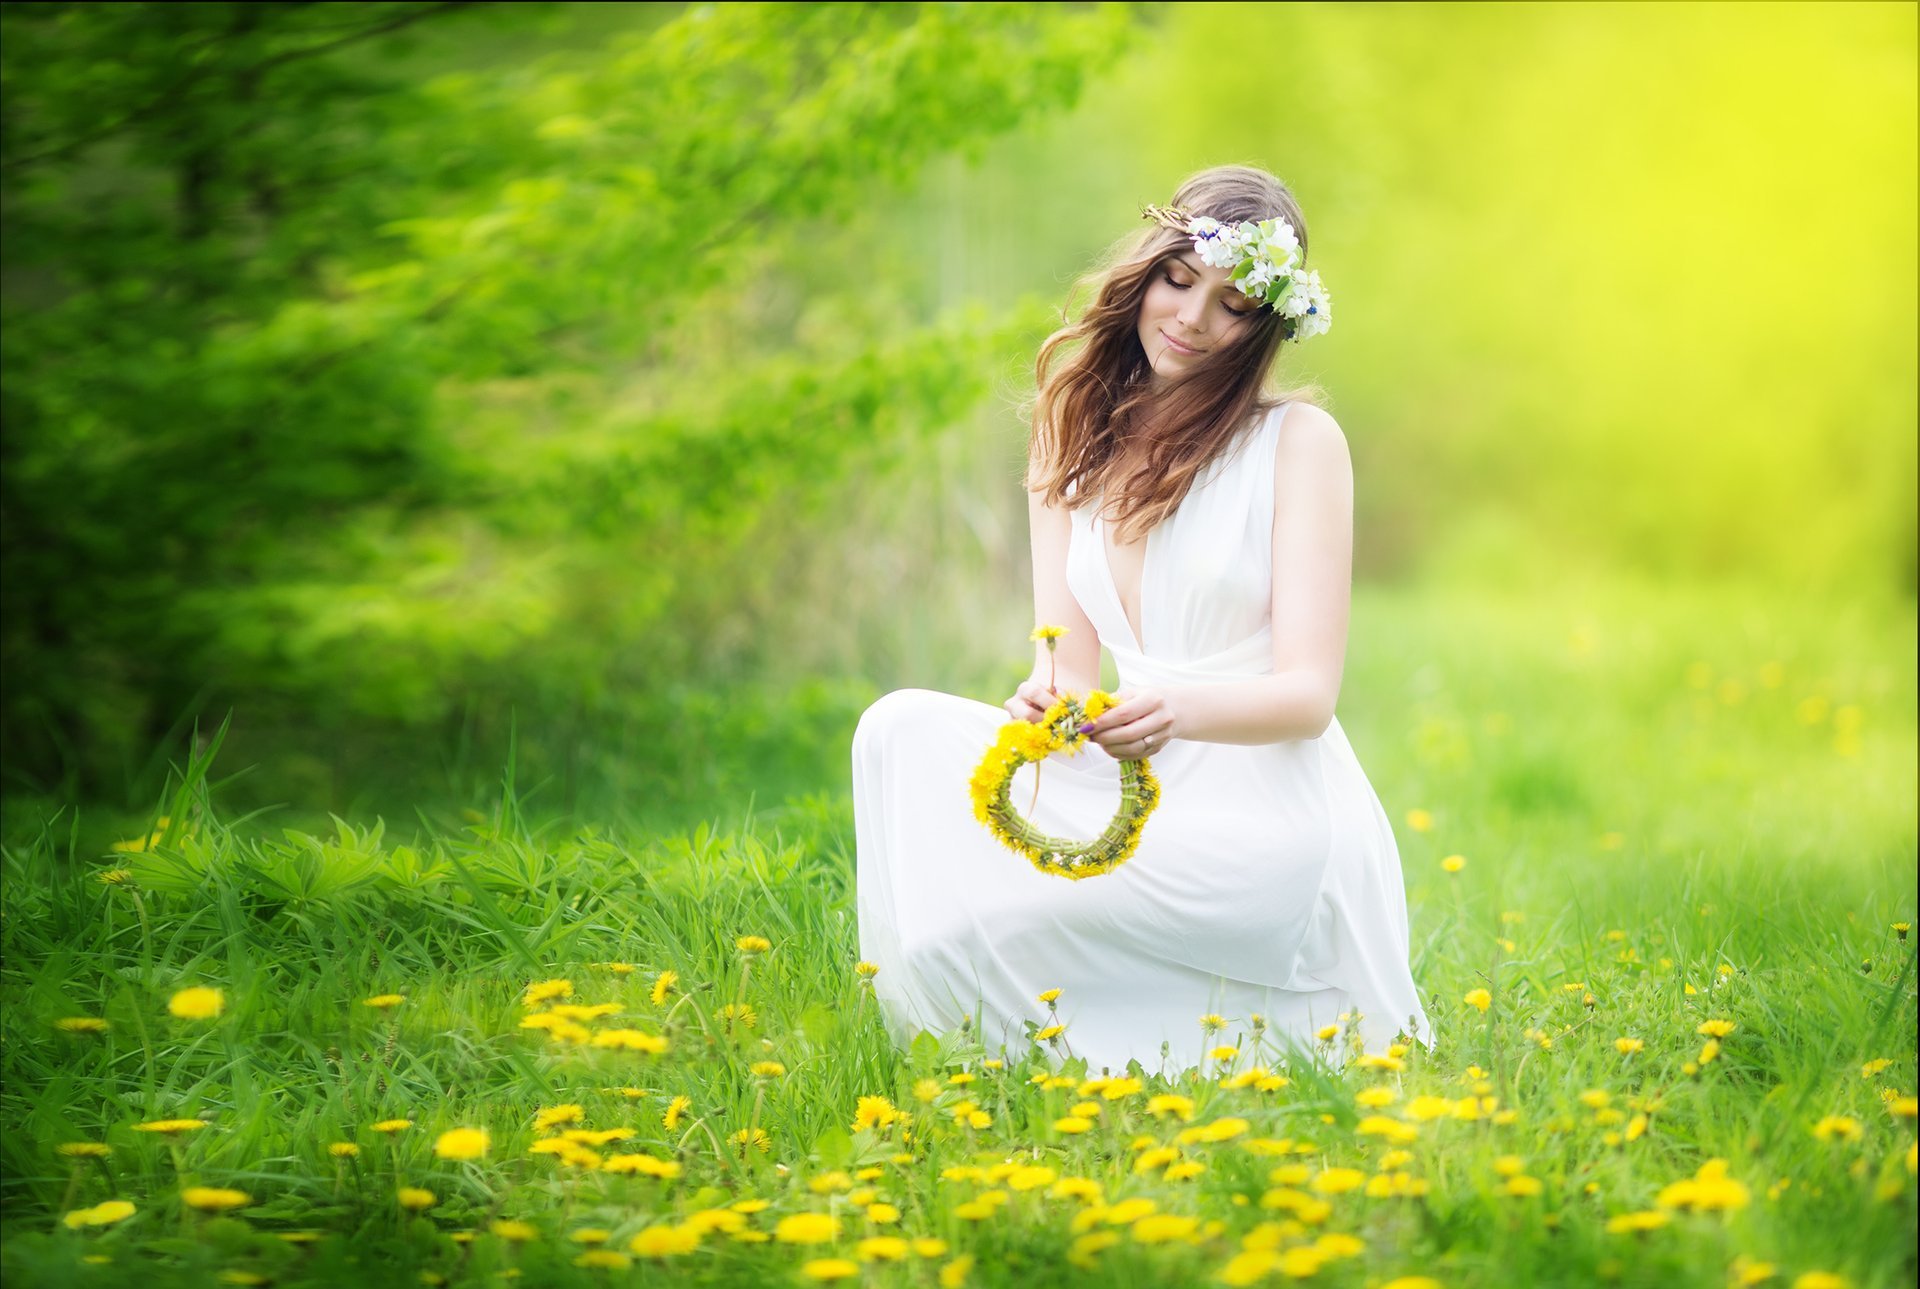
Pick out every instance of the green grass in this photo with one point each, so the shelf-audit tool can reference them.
(1651, 789)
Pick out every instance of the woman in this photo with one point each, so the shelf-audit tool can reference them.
(1201, 532)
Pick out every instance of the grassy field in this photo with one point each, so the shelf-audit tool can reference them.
(1670, 972)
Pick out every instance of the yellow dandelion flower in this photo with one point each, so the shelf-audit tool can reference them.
(758, 1140)
(829, 1269)
(1521, 1186)
(954, 1274)
(81, 1025)
(542, 990)
(767, 1069)
(559, 1114)
(663, 985)
(665, 1240)
(604, 1259)
(1715, 1028)
(514, 1231)
(381, 1002)
(391, 1126)
(1212, 1022)
(170, 1127)
(1635, 1223)
(751, 944)
(739, 1013)
(806, 1228)
(1627, 1046)
(197, 1003)
(106, 1214)
(416, 1198)
(215, 1199)
(1453, 863)
(1049, 996)
(462, 1143)
(1478, 998)
(1420, 820)
(343, 1150)
(1838, 1127)
(84, 1149)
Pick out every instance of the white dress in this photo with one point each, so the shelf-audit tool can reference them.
(1267, 881)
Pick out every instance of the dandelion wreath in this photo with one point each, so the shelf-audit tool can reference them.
(1020, 742)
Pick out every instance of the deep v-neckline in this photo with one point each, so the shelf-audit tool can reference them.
(1113, 583)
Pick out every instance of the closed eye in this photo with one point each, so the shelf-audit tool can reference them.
(1178, 285)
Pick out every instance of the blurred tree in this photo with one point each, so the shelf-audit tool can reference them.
(254, 278)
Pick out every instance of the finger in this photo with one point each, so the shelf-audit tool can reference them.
(1137, 731)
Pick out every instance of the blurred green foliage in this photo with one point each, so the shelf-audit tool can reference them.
(259, 280)
(634, 383)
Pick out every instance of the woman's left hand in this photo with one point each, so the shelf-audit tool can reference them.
(1137, 726)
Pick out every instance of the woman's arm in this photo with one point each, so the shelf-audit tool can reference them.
(1312, 598)
(1076, 659)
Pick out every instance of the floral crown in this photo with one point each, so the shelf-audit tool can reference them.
(1265, 259)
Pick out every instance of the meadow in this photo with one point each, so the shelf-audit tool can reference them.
(1659, 850)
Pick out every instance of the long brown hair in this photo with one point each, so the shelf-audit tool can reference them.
(1101, 400)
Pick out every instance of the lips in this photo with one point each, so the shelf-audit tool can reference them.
(1177, 347)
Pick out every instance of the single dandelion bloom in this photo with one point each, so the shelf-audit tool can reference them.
(604, 1259)
(114, 877)
(1212, 1022)
(1050, 996)
(806, 1228)
(1327, 1033)
(381, 1002)
(541, 991)
(343, 1150)
(171, 1127)
(755, 1139)
(1636, 1223)
(825, 1269)
(1874, 1067)
(1048, 1033)
(1223, 1053)
(665, 1240)
(882, 1248)
(1048, 634)
(1420, 820)
(1170, 1103)
(670, 1117)
(81, 1025)
(1072, 1124)
(1520, 1186)
(84, 1149)
(514, 1231)
(1627, 1046)
(1478, 998)
(1338, 1181)
(559, 1114)
(865, 970)
(1901, 1107)
(1715, 1028)
(1820, 1280)
(1837, 1127)
(1900, 929)
(768, 1069)
(739, 1013)
(462, 1143)
(663, 985)
(1453, 863)
(197, 1003)
(875, 1112)
(1375, 1098)
(415, 1199)
(1709, 1051)
(214, 1199)
(391, 1126)
(751, 944)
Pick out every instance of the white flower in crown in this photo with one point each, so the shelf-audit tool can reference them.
(1307, 303)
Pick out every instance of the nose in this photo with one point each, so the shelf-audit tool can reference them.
(1193, 314)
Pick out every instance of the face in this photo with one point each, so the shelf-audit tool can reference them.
(1189, 310)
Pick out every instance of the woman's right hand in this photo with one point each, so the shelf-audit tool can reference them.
(1030, 702)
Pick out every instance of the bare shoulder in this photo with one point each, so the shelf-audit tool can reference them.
(1311, 445)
